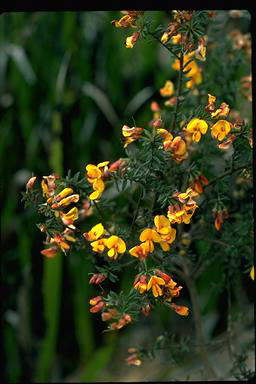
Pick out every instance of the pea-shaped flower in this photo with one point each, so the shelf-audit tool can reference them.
(197, 127)
(115, 245)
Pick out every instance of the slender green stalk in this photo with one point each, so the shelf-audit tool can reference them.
(168, 48)
(181, 58)
(136, 212)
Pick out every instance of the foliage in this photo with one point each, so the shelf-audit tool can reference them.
(175, 209)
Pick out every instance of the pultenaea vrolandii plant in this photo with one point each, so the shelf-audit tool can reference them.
(175, 175)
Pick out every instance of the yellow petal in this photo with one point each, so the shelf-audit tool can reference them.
(252, 273)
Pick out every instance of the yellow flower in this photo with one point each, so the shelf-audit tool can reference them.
(69, 217)
(197, 127)
(211, 99)
(115, 245)
(167, 233)
(93, 172)
(150, 235)
(95, 233)
(162, 224)
(68, 200)
(252, 273)
(98, 187)
(64, 193)
(221, 129)
(154, 284)
(176, 38)
(168, 89)
(98, 245)
(45, 189)
(165, 37)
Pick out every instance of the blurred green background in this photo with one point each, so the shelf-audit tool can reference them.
(67, 85)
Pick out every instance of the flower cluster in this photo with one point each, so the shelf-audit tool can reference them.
(160, 285)
(183, 211)
(95, 176)
(129, 21)
(114, 244)
(162, 233)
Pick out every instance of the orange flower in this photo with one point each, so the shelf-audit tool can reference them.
(219, 216)
(60, 241)
(176, 38)
(50, 252)
(180, 309)
(98, 245)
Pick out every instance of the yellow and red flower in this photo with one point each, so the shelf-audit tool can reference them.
(95, 233)
(131, 134)
(141, 251)
(131, 40)
(140, 283)
(221, 129)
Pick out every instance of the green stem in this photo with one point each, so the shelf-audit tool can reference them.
(101, 215)
(136, 212)
(168, 48)
(178, 92)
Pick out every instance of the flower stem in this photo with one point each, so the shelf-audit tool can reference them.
(178, 92)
